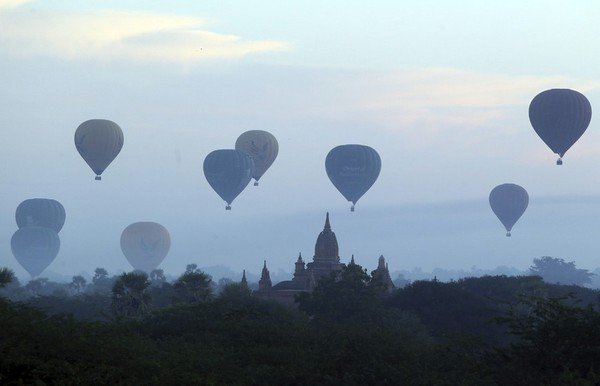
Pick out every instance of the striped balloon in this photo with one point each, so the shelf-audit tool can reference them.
(560, 117)
(41, 212)
(35, 248)
(262, 147)
(99, 141)
(228, 172)
(353, 169)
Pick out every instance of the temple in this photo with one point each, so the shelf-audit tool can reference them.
(306, 276)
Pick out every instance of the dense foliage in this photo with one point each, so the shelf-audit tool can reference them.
(145, 330)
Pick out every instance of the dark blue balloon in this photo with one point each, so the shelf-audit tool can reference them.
(41, 212)
(509, 201)
(228, 172)
(353, 169)
(560, 117)
(35, 248)
(99, 141)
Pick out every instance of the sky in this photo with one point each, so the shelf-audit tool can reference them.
(440, 89)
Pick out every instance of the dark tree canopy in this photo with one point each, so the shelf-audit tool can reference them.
(6, 276)
(130, 296)
(78, 284)
(428, 333)
(193, 286)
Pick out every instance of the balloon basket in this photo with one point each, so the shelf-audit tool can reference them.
(352, 208)
(559, 161)
(228, 207)
(98, 178)
(508, 234)
(255, 183)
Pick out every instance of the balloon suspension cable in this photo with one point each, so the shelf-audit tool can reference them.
(352, 208)
(98, 178)
(559, 161)
(255, 183)
(508, 234)
(228, 207)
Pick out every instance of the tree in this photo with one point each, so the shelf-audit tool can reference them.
(345, 296)
(130, 297)
(157, 276)
(554, 270)
(191, 268)
(193, 286)
(6, 276)
(235, 291)
(78, 283)
(558, 343)
(100, 276)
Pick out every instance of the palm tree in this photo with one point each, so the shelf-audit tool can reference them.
(130, 297)
(193, 287)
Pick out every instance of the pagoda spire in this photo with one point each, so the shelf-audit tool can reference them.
(244, 282)
(326, 247)
(264, 284)
(382, 274)
(300, 269)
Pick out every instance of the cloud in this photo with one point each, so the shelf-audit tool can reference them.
(452, 96)
(456, 109)
(112, 34)
(5, 4)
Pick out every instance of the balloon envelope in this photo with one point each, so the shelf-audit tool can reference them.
(353, 169)
(99, 141)
(145, 245)
(35, 248)
(262, 147)
(560, 117)
(509, 201)
(228, 172)
(41, 212)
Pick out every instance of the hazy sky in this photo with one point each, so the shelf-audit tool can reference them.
(439, 89)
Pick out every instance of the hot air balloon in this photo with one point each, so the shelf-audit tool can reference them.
(353, 169)
(228, 171)
(262, 147)
(41, 212)
(35, 248)
(560, 117)
(99, 141)
(145, 245)
(509, 201)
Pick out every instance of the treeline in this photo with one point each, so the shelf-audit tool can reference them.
(553, 270)
(143, 330)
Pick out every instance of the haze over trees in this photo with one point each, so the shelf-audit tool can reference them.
(558, 271)
(488, 330)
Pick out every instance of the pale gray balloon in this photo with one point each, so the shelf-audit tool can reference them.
(145, 245)
(262, 147)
